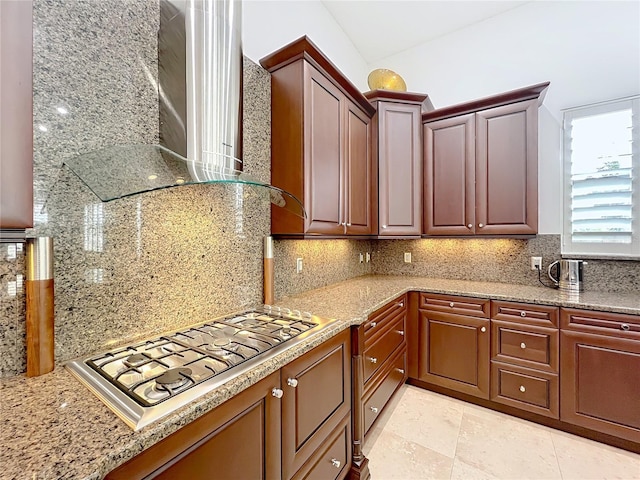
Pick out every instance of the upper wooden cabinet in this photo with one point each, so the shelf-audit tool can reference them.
(481, 166)
(320, 144)
(16, 117)
(397, 154)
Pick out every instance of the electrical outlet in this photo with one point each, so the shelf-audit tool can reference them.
(407, 257)
(367, 257)
(536, 263)
(299, 265)
(361, 257)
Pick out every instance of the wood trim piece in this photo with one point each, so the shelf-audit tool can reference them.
(40, 326)
(537, 91)
(421, 99)
(304, 48)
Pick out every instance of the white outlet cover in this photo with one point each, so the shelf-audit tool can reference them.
(407, 257)
(298, 265)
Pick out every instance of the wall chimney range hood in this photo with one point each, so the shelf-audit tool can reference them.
(200, 105)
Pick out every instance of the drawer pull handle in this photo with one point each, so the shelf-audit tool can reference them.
(401, 304)
(483, 329)
(523, 314)
(451, 304)
(400, 332)
(373, 360)
(276, 392)
(400, 371)
(384, 226)
(481, 225)
(373, 324)
(523, 345)
(374, 409)
(625, 327)
(335, 462)
(292, 382)
(470, 225)
(522, 389)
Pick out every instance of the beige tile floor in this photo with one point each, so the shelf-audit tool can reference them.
(424, 435)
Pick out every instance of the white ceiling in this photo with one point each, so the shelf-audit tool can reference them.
(381, 28)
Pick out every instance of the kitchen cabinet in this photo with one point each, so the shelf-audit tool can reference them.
(481, 166)
(320, 144)
(397, 154)
(16, 117)
(600, 372)
(453, 343)
(525, 357)
(316, 402)
(379, 348)
(238, 439)
(295, 423)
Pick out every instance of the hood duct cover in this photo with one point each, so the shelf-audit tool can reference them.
(200, 104)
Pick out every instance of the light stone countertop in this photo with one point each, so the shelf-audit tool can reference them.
(55, 428)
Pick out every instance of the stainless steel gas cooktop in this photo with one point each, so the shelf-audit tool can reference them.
(146, 381)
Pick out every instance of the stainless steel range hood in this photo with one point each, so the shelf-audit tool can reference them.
(200, 105)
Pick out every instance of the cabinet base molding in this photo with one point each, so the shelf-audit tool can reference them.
(360, 470)
(532, 417)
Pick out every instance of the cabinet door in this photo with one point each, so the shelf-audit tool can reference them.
(399, 169)
(507, 169)
(238, 439)
(16, 117)
(453, 352)
(323, 152)
(317, 396)
(600, 383)
(358, 181)
(449, 176)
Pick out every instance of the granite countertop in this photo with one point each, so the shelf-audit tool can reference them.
(55, 428)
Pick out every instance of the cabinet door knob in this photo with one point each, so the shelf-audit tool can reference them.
(483, 329)
(276, 392)
(335, 462)
(373, 324)
(470, 225)
(373, 360)
(374, 409)
(523, 345)
(523, 314)
(625, 327)
(400, 332)
(400, 371)
(522, 389)
(292, 382)
(348, 224)
(451, 304)
(480, 225)
(384, 226)
(401, 304)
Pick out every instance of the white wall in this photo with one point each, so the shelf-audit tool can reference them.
(271, 24)
(590, 51)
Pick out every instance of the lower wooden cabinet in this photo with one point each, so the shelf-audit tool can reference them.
(453, 349)
(256, 435)
(238, 439)
(317, 397)
(600, 372)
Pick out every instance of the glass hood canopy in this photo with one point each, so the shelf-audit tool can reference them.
(124, 170)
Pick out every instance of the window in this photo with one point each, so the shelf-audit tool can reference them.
(602, 179)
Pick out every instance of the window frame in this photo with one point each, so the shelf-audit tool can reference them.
(600, 249)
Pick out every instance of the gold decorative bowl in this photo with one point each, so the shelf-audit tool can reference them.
(385, 79)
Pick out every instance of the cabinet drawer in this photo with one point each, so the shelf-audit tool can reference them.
(376, 354)
(475, 307)
(524, 388)
(332, 462)
(528, 314)
(375, 400)
(535, 347)
(600, 323)
(381, 317)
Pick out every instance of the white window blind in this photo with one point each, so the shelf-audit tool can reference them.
(601, 179)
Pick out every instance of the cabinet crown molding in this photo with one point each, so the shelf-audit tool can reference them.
(410, 98)
(304, 48)
(526, 93)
